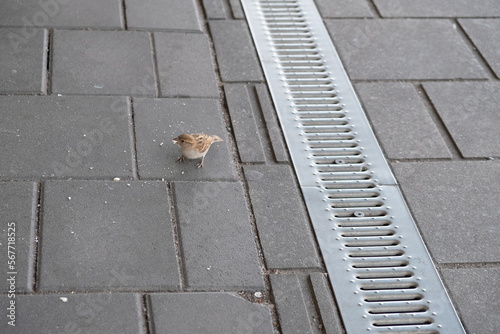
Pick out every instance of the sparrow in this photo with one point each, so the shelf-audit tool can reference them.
(194, 146)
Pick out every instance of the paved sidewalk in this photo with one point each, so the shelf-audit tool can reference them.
(112, 235)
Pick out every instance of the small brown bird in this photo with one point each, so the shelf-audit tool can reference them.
(194, 146)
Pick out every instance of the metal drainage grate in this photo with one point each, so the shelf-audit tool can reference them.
(382, 274)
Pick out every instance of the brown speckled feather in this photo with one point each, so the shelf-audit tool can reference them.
(203, 141)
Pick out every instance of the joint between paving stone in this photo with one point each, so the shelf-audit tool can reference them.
(469, 41)
(181, 265)
(36, 242)
(255, 230)
(133, 140)
(374, 9)
(145, 314)
(46, 62)
(123, 14)
(438, 121)
(155, 65)
(263, 130)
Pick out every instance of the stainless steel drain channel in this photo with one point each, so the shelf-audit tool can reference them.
(382, 274)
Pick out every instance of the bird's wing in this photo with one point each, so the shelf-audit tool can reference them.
(203, 141)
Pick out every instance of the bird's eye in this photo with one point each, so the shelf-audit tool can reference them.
(182, 140)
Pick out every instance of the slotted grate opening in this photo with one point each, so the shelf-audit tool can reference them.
(399, 309)
(406, 321)
(346, 182)
(376, 253)
(396, 297)
(384, 274)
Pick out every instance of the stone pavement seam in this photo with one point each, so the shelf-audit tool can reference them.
(144, 313)
(154, 54)
(46, 62)
(133, 140)
(475, 50)
(374, 9)
(123, 15)
(438, 121)
(177, 238)
(34, 265)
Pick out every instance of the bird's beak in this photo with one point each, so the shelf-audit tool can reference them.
(175, 140)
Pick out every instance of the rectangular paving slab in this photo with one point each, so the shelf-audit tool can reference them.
(273, 126)
(281, 218)
(401, 121)
(185, 66)
(485, 34)
(64, 136)
(216, 236)
(215, 312)
(23, 59)
(237, 9)
(100, 313)
(161, 14)
(403, 49)
(18, 204)
(241, 107)
(295, 298)
(215, 9)
(110, 235)
(455, 206)
(158, 121)
(470, 112)
(235, 52)
(62, 13)
(102, 62)
(255, 123)
(475, 294)
(443, 8)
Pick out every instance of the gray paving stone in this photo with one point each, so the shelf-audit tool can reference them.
(22, 60)
(272, 124)
(102, 62)
(294, 304)
(161, 14)
(216, 236)
(403, 49)
(110, 235)
(64, 136)
(328, 310)
(475, 294)
(215, 9)
(235, 52)
(470, 112)
(18, 213)
(157, 121)
(200, 313)
(430, 8)
(401, 121)
(453, 205)
(237, 9)
(185, 65)
(281, 219)
(61, 13)
(239, 100)
(344, 8)
(485, 33)
(99, 313)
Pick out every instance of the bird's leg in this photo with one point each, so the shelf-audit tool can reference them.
(181, 158)
(200, 164)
